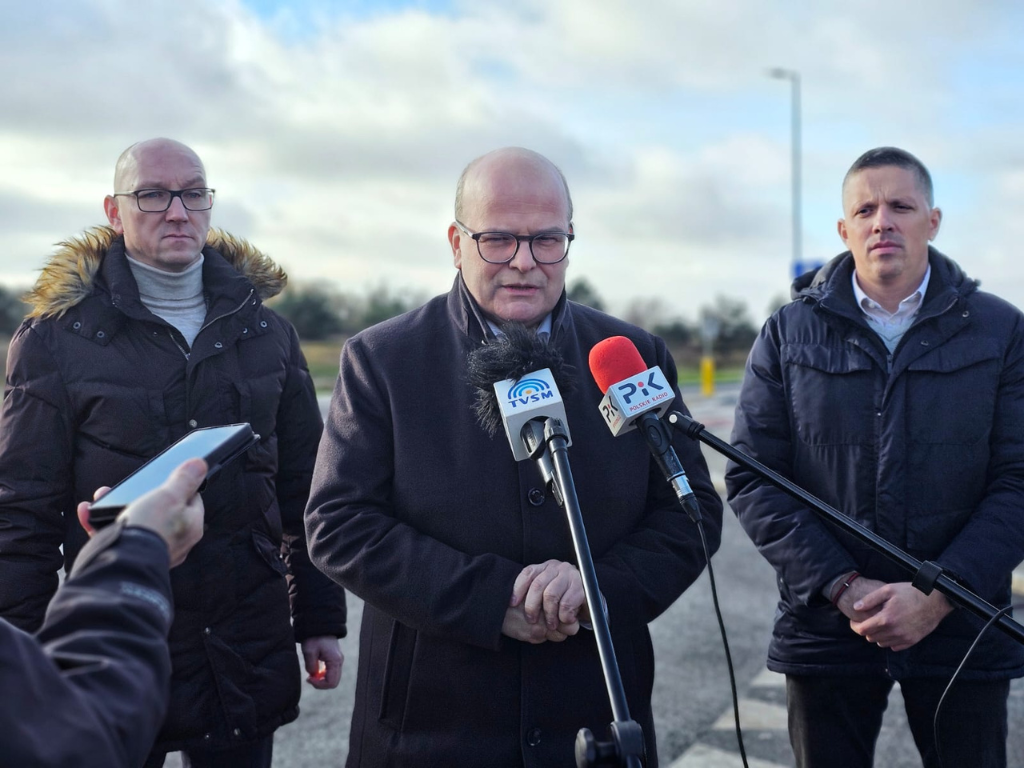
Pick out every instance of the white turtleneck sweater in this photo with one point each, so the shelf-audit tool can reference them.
(177, 297)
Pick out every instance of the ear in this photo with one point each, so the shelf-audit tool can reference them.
(841, 228)
(455, 240)
(935, 220)
(113, 211)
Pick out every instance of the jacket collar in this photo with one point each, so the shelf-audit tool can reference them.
(831, 286)
(94, 264)
(466, 315)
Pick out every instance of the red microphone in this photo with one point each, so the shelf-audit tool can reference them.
(635, 396)
(631, 388)
(613, 360)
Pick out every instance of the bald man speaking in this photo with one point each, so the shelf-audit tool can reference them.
(473, 647)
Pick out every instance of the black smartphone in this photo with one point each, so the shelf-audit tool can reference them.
(217, 445)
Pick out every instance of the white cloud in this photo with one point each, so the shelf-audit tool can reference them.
(335, 141)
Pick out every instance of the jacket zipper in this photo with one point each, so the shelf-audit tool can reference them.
(188, 378)
(229, 313)
(170, 332)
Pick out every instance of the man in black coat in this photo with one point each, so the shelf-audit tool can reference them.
(472, 646)
(892, 389)
(139, 333)
(90, 689)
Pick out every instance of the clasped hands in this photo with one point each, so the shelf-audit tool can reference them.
(547, 604)
(894, 616)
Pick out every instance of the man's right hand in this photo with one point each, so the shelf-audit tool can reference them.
(860, 588)
(174, 511)
(518, 627)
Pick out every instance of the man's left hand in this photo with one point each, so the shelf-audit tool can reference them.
(323, 659)
(905, 615)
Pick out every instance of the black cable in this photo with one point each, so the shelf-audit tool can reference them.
(942, 698)
(725, 644)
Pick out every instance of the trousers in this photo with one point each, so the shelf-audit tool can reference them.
(834, 722)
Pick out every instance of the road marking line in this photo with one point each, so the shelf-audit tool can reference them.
(769, 679)
(754, 716)
(703, 756)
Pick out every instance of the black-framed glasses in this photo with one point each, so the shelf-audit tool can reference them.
(159, 200)
(502, 247)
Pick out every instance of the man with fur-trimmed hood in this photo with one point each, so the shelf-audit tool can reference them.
(140, 332)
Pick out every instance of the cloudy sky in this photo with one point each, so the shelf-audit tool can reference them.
(334, 132)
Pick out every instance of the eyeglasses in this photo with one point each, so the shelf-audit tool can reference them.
(159, 200)
(502, 247)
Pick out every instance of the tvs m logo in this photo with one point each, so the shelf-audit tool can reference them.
(528, 391)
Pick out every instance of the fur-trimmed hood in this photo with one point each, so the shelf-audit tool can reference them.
(70, 275)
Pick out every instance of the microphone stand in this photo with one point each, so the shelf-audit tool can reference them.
(926, 576)
(548, 445)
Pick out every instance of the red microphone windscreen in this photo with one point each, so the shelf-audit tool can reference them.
(613, 360)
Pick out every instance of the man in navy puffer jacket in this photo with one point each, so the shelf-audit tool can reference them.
(892, 389)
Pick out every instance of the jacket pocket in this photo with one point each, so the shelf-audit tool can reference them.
(258, 400)
(269, 552)
(128, 421)
(397, 673)
(830, 393)
(231, 672)
(970, 367)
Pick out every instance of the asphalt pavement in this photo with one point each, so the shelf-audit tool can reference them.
(692, 701)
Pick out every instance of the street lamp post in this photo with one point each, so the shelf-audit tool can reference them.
(794, 78)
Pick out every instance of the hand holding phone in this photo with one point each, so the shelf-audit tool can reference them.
(215, 445)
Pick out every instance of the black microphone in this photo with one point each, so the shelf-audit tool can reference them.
(519, 379)
(635, 396)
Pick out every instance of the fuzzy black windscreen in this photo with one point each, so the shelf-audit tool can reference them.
(511, 356)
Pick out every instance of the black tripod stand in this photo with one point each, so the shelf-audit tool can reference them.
(548, 446)
(926, 576)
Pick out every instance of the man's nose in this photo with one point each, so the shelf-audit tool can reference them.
(523, 260)
(883, 219)
(177, 211)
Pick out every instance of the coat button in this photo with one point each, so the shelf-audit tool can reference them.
(76, 325)
(207, 736)
(193, 423)
(237, 731)
(206, 630)
(533, 737)
(100, 334)
(218, 345)
(536, 496)
(263, 323)
(245, 331)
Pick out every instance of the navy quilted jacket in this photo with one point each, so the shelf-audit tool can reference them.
(924, 446)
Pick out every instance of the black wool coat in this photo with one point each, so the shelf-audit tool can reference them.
(428, 519)
(96, 385)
